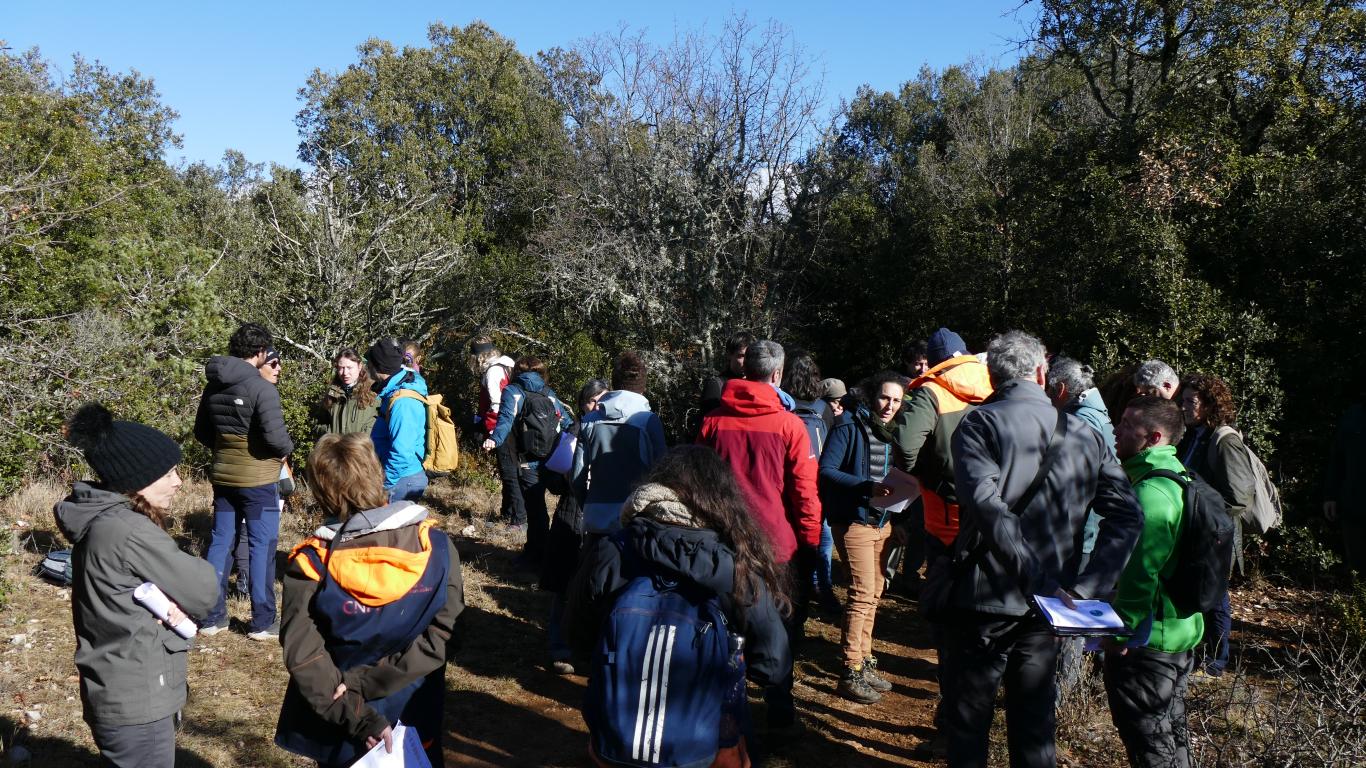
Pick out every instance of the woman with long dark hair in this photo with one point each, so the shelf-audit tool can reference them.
(688, 525)
(370, 602)
(132, 665)
(802, 380)
(852, 469)
(349, 405)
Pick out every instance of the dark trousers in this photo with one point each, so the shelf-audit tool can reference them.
(1218, 627)
(934, 549)
(260, 508)
(534, 512)
(509, 471)
(980, 656)
(1147, 693)
(782, 708)
(149, 745)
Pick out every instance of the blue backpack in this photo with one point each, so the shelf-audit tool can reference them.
(813, 418)
(667, 685)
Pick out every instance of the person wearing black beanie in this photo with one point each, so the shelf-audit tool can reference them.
(400, 432)
(132, 666)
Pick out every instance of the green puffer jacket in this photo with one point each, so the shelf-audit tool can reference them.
(1140, 591)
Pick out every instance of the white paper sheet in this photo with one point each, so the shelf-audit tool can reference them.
(905, 489)
(149, 596)
(1090, 617)
(408, 752)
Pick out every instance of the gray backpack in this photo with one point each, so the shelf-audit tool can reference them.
(1265, 511)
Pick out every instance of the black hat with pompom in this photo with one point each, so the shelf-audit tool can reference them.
(126, 455)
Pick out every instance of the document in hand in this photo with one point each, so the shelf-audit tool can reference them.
(905, 489)
(408, 752)
(1090, 617)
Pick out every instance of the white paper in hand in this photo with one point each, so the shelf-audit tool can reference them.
(905, 489)
(1090, 617)
(408, 752)
(149, 596)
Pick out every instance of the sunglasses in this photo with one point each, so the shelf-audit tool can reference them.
(271, 364)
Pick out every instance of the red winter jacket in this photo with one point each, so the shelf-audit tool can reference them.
(771, 454)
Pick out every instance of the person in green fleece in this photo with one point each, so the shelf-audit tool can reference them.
(1146, 671)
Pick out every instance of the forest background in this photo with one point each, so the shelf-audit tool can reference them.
(1181, 180)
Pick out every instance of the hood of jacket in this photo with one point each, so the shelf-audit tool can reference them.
(620, 404)
(389, 517)
(530, 381)
(750, 398)
(964, 376)
(1145, 461)
(1091, 400)
(406, 378)
(695, 554)
(225, 371)
(87, 501)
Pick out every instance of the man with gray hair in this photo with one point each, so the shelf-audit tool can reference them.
(1155, 377)
(768, 448)
(1025, 473)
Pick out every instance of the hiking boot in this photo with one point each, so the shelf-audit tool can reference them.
(854, 687)
(214, 629)
(872, 678)
(269, 633)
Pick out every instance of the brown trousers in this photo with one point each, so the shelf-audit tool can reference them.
(864, 550)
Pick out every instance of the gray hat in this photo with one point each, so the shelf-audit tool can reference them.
(832, 389)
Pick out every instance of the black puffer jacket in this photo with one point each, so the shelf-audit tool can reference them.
(696, 554)
(239, 418)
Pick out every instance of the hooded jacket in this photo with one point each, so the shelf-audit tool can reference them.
(997, 450)
(400, 432)
(684, 552)
(382, 562)
(240, 420)
(132, 667)
(618, 443)
(768, 449)
(514, 395)
(1140, 594)
(846, 474)
(922, 432)
(497, 375)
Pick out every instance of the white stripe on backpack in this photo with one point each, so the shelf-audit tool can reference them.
(654, 693)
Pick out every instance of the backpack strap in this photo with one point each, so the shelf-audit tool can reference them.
(960, 566)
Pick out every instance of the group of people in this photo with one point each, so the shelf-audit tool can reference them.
(1002, 473)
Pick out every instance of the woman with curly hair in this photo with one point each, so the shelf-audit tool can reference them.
(1214, 449)
(349, 405)
(687, 525)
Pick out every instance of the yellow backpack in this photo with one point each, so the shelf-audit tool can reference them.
(443, 440)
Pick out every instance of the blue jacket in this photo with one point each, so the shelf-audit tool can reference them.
(845, 481)
(514, 394)
(1091, 408)
(400, 432)
(618, 443)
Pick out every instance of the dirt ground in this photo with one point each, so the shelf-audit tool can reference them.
(503, 708)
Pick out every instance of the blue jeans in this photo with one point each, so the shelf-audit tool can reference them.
(822, 575)
(260, 508)
(1218, 625)
(409, 488)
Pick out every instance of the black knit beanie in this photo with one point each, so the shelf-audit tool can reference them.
(386, 356)
(126, 455)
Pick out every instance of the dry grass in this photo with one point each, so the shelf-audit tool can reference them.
(503, 707)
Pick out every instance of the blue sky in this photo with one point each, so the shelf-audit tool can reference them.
(233, 70)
